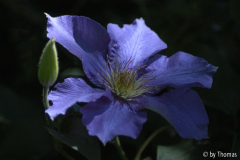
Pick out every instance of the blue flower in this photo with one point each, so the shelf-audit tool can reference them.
(124, 66)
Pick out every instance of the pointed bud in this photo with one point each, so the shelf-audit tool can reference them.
(48, 65)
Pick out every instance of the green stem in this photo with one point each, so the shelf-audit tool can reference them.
(145, 144)
(119, 148)
(45, 97)
(57, 144)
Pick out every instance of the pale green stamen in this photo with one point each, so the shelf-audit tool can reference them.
(122, 80)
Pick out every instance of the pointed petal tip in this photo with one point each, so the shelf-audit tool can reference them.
(47, 15)
(145, 41)
(52, 114)
(182, 69)
(141, 19)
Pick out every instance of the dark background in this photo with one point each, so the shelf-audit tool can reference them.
(206, 28)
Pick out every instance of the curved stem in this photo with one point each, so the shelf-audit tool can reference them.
(45, 97)
(145, 144)
(119, 148)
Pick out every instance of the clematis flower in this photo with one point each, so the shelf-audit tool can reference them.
(123, 65)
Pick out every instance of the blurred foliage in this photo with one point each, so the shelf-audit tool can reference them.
(208, 29)
(180, 152)
(74, 134)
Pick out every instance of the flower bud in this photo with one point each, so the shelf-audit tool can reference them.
(48, 65)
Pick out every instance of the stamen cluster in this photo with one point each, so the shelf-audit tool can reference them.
(123, 81)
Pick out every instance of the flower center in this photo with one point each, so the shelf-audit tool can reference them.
(123, 81)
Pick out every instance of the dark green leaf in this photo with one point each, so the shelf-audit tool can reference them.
(188, 150)
(76, 136)
(181, 151)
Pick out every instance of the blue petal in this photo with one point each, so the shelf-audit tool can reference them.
(94, 68)
(69, 92)
(135, 41)
(181, 69)
(78, 34)
(183, 109)
(106, 118)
